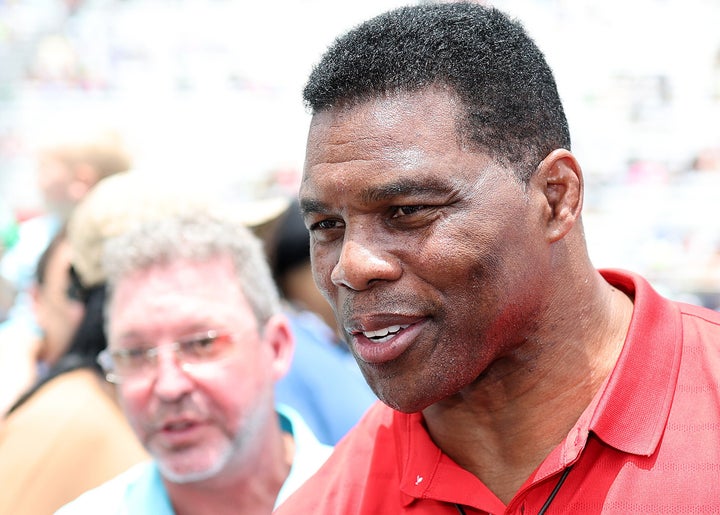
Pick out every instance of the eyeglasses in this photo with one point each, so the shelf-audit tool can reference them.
(122, 365)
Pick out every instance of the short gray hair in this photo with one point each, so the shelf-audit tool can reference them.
(196, 235)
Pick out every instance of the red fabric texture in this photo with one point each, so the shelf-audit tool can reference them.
(649, 442)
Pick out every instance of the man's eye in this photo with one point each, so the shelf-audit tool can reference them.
(325, 225)
(130, 357)
(209, 346)
(200, 345)
(406, 210)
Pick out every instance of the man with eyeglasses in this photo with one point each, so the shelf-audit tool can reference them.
(196, 343)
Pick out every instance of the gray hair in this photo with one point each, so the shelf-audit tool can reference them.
(196, 235)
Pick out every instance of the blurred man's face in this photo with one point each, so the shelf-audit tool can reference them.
(198, 417)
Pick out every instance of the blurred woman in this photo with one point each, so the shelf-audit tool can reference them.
(65, 434)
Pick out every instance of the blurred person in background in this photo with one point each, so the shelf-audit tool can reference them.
(66, 433)
(8, 237)
(69, 165)
(57, 311)
(196, 343)
(57, 316)
(324, 382)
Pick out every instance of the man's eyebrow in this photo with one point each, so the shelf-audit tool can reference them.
(310, 206)
(128, 336)
(406, 187)
(403, 187)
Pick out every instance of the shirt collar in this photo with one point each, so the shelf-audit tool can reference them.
(634, 406)
(147, 494)
(310, 453)
(428, 473)
(629, 413)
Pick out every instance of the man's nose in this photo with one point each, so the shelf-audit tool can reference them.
(171, 381)
(363, 261)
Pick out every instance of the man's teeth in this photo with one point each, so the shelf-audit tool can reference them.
(383, 335)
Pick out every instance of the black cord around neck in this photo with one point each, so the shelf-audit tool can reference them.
(549, 500)
(555, 491)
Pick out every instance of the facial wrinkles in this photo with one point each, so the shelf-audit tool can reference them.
(461, 191)
(351, 149)
(374, 131)
(441, 173)
(476, 221)
(390, 299)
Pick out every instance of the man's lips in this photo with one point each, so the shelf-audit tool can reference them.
(179, 432)
(179, 425)
(356, 321)
(385, 343)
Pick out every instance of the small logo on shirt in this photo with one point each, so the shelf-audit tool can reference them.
(418, 480)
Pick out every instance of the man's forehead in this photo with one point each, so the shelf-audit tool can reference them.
(393, 108)
(209, 277)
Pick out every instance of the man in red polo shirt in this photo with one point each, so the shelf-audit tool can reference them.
(444, 207)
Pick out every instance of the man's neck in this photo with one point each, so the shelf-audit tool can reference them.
(505, 424)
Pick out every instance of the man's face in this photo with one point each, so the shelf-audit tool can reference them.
(203, 420)
(428, 251)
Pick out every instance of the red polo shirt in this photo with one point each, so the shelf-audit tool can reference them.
(649, 442)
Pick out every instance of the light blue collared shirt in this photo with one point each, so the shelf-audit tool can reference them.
(140, 490)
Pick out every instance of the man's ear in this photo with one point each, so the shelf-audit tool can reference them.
(560, 178)
(279, 337)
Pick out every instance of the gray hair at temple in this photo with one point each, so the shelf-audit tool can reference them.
(196, 235)
(512, 110)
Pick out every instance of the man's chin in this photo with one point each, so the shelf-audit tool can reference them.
(189, 466)
(184, 474)
(405, 405)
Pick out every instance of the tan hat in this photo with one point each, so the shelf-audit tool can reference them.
(126, 199)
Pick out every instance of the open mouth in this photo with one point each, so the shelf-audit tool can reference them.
(178, 426)
(384, 334)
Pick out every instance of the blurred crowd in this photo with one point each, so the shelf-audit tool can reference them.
(663, 221)
(60, 415)
(64, 427)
